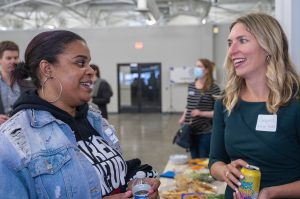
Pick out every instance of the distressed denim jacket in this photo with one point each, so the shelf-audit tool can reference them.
(39, 157)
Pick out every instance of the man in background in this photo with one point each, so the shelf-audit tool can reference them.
(9, 90)
(9, 57)
(102, 92)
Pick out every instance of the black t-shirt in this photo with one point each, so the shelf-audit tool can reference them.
(111, 168)
(108, 163)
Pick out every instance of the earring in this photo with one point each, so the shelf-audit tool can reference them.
(268, 58)
(60, 92)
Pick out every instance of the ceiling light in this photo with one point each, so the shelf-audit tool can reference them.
(3, 28)
(215, 29)
(142, 5)
(151, 22)
(49, 27)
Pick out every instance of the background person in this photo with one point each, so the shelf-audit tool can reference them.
(53, 146)
(102, 92)
(199, 109)
(257, 120)
(9, 91)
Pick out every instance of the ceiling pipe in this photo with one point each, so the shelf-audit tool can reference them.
(13, 4)
(49, 3)
(153, 9)
(78, 3)
(149, 7)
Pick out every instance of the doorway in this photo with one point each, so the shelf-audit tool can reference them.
(139, 87)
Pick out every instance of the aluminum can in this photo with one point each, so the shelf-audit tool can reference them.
(250, 184)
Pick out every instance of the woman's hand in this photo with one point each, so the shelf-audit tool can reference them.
(181, 120)
(199, 113)
(237, 195)
(127, 194)
(3, 118)
(231, 173)
(154, 183)
(196, 112)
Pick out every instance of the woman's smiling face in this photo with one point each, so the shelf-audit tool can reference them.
(248, 58)
(75, 74)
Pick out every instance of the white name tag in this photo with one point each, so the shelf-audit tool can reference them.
(266, 123)
(111, 135)
(191, 93)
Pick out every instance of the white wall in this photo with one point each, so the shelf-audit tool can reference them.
(287, 13)
(219, 53)
(171, 45)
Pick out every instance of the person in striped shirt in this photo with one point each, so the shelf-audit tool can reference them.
(199, 108)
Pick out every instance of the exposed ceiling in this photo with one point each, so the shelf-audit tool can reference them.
(35, 14)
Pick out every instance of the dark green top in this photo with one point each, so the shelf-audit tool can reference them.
(277, 154)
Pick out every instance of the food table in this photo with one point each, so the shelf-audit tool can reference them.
(175, 188)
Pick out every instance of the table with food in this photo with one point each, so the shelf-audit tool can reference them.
(189, 179)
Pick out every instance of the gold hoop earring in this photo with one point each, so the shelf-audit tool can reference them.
(60, 92)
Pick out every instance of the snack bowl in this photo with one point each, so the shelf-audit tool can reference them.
(179, 158)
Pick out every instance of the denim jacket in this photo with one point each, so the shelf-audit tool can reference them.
(39, 157)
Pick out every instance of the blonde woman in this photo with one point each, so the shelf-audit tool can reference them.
(257, 120)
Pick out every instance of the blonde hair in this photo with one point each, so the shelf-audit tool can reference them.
(282, 79)
(209, 66)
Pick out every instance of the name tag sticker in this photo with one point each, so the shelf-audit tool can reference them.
(111, 135)
(191, 93)
(266, 123)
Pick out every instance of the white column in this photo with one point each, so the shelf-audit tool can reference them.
(287, 13)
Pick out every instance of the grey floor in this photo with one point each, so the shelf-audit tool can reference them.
(147, 136)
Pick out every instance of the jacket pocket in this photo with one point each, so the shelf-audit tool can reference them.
(49, 162)
(51, 171)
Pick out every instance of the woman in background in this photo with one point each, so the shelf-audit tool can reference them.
(257, 120)
(53, 146)
(199, 109)
(102, 92)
